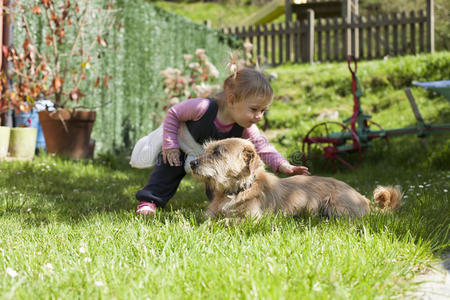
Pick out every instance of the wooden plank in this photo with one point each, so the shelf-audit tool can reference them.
(421, 33)
(322, 9)
(386, 36)
(361, 38)
(288, 11)
(404, 44)
(336, 41)
(347, 31)
(412, 34)
(258, 43)
(377, 36)
(288, 26)
(297, 41)
(266, 43)
(272, 43)
(310, 36)
(319, 41)
(327, 41)
(395, 16)
(369, 38)
(414, 107)
(430, 25)
(280, 43)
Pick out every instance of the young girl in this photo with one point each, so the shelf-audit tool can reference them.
(234, 112)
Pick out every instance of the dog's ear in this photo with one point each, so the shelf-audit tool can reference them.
(250, 157)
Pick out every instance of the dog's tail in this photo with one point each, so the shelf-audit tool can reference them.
(387, 197)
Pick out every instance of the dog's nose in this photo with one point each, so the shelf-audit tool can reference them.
(194, 164)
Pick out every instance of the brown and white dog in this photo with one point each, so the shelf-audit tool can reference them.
(234, 171)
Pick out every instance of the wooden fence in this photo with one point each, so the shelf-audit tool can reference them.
(333, 39)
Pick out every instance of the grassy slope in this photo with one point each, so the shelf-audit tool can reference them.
(220, 14)
(306, 91)
(68, 228)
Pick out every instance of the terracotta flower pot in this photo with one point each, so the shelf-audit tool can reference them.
(68, 132)
(22, 143)
(4, 141)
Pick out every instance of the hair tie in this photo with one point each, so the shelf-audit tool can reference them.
(232, 65)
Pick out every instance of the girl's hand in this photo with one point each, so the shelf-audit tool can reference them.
(171, 156)
(287, 168)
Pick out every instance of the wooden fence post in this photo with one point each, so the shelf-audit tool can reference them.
(310, 39)
(288, 11)
(310, 36)
(355, 18)
(430, 25)
(347, 18)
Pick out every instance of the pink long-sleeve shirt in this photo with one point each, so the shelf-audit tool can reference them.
(194, 109)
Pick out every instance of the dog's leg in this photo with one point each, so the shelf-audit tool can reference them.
(254, 210)
(213, 208)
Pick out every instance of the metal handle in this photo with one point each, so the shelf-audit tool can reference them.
(351, 58)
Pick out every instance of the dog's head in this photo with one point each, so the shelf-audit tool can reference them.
(227, 165)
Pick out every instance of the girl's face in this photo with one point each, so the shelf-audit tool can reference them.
(249, 111)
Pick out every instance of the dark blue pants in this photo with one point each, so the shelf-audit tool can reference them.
(163, 183)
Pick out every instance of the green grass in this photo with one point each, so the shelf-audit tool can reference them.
(68, 228)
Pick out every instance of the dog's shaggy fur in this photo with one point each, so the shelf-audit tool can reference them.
(234, 171)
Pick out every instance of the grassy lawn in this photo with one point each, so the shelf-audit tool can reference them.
(68, 228)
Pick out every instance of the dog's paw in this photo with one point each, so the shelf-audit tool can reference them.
(209, 214)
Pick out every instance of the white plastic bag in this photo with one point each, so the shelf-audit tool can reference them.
(145, 152)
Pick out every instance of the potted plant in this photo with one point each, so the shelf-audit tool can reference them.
(19, 98)
(76, 34)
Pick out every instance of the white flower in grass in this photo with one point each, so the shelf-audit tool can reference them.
(49, 268)
(87, 259)
(445, 190)
(11, 272)
(405, 197)
(420, 186)
(98, 283)
(82, 250)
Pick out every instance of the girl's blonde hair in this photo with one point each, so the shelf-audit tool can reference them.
(243, 84)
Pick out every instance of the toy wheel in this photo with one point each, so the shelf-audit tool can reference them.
(332, 140)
